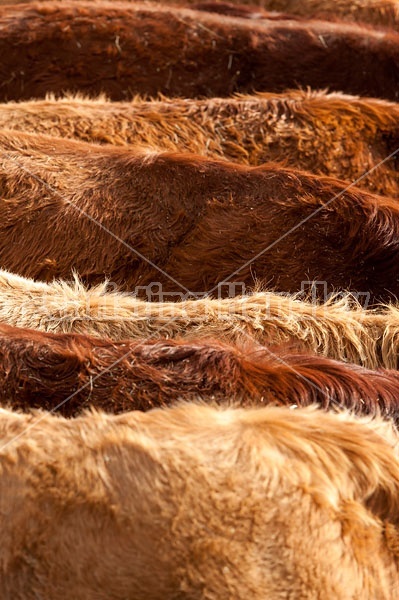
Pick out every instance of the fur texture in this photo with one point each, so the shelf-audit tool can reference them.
(124, 49)
(187, 222)
(376, 12)
(234, 9)
(337, 329)
(330, 134)
(193, 502)
(67, 372)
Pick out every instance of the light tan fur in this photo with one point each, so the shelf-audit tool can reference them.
(333, 134)
(197, 503)
(339, 329)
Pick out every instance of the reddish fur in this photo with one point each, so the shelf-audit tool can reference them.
(141, 48)
(42, 370)
(199, 220)
(240, 10)
(305, 129)
(381, 13)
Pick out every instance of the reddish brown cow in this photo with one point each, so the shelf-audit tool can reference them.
(376, 12)
(186, 221)
(330, 134)
(196, 503)
(68, 372)
(123, 49)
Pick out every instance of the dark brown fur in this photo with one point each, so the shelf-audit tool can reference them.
(68, 372)
(124, 49)
(187, 222)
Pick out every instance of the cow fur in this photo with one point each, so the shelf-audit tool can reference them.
(382, 13)
(187, 222)
(234, 9)
(68, 372)
(330, 134)
(124, 49)
(192, 502)
(339, 329)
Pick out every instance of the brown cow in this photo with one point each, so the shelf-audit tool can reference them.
(376, 12)
(330, 134)
(339, 329)
(187, 222)
(123, 49)
(193, 502)
(68, 372)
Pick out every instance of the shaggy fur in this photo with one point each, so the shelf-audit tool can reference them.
(376, 12)
(331, 134)
(124, 49)
(340, 330)
(197, 503)
(187, 222)
(67, 372)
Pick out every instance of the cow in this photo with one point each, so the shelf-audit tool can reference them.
(197, 502)
(124, 49)
(188, 222)
(332, 134)
(383, 13)
(340, 328)
(68, 372)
